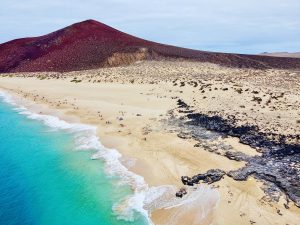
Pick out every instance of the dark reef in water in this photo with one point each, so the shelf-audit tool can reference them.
(278, 166)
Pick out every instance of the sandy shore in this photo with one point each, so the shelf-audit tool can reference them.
(130, 105)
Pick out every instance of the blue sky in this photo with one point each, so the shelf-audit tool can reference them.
(244, 26)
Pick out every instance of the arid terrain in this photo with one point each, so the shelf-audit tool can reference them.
(91, 45)
(233, 129)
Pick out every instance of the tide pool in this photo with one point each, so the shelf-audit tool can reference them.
(46, 180)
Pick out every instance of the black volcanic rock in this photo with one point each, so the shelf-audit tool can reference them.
(279, 164)
(209, 177)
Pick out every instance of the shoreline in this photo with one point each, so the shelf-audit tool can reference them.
(130, 118)
(112, 158)
(87, 141)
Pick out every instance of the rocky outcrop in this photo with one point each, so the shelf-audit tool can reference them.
(127, 58)
(249, 135)
(278, 165)
(209, 177)
(182, 191)
(237, 156)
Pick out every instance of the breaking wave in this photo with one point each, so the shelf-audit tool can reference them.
(144, 199)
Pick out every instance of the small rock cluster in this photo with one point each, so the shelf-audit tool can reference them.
(209, 177)
(182, 191)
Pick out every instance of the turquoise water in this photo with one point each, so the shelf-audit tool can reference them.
(45, 181)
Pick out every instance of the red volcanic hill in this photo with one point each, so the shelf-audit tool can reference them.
(91, 44)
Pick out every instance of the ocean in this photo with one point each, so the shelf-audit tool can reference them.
(48, 175)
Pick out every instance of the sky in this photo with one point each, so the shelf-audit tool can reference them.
(241, 26)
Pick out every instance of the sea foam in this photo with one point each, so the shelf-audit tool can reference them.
(144, 199)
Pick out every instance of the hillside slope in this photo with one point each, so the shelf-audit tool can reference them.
(91, 44)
